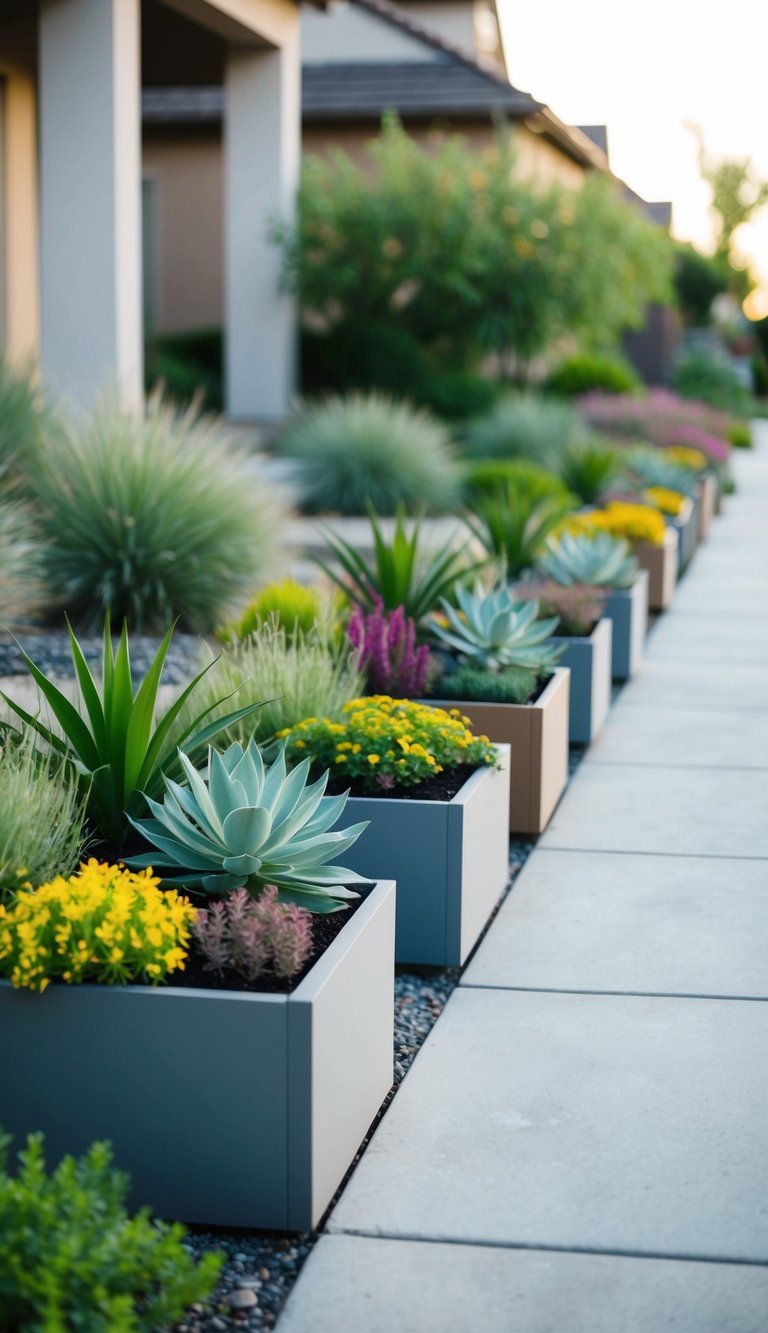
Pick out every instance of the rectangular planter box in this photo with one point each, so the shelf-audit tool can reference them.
(707, 504)
(686, 527)
(450, 860)
(589, 660)
(537, 735)
(627, 608)
(227, 1108)
(661, 563)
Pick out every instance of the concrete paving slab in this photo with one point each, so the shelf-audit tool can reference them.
(596, 921)
(721, 597)
(685, 639)
(597, 1123)
(352, 1284)
(661, 733)
(673, 811)
(708, 684)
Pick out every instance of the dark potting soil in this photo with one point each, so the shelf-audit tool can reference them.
(325, 927)
(442, 787)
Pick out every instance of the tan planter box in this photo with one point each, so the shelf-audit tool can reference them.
(661, 563)
(537, 735)
(707, 504)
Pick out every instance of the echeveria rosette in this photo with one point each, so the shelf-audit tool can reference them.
(249, 825)
(596, 558)
(495, 630)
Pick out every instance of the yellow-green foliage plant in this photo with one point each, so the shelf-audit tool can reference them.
(104, 923)
(73, 1260)
(382, 742)
(41, 815)
(291, 677)
(292, 605)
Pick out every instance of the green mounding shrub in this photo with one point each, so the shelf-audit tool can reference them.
(22, 418)
(41, 815)
(455, 395)
(522, 425)
(151, 518)
(299, 676)
(292, 605)
(24, 594)
(587, 372)
(401, 573)
(485, 476)
(369, 451)
(588, 468)
(707, 377)
(513, 529)
(513, 685)
(740, 435)
(73, 1260)
(364, 354)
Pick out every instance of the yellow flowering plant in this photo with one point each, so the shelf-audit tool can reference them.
(669, 502)
(104, 923)
(633, 522)
(382, 742)
(684, 456)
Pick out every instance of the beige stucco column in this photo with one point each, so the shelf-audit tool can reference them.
(262, 151)
(90, 197)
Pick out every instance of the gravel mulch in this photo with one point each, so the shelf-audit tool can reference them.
(50, 652)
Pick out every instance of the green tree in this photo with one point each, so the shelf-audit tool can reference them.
(737, 192)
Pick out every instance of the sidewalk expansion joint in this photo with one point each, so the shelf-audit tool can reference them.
(626, 994)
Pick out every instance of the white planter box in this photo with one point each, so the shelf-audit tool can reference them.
(228, 1108)
(627, 609)
(589, 660)
(450, 860)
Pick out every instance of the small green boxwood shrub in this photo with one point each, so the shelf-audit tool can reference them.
(485, 476)
(370, 451)
(585, 373)
(740, 435)
(151, 517)
(72, 1259)
(455, 395)
(522, 425)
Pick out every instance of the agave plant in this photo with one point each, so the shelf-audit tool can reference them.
(247, 825)
(496, 630)
(602, 561)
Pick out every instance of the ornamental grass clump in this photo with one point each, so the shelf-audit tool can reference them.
(522, 425)
(73, 1260)
(103, 923)
(24, 592)
(41, 815)
(594, 558)
(381, 743)
(150, 517)
(281, 678)
(23, 419)
(244, 825)
(369, 450)
(254, 937)
(385, 643)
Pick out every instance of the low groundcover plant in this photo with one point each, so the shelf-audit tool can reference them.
(382, 742)
(73, 1260)
(102, 924)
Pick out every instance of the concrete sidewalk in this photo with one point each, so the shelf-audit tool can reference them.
(582, 1145)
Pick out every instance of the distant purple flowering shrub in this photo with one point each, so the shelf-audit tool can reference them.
(254, 936)
(660, 417)
(386, 644)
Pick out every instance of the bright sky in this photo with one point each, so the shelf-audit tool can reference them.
(644, 71)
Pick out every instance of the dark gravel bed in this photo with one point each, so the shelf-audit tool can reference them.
(50, 652)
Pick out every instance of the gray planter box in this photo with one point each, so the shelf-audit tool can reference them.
(227, 1108)
(589, 660)
(450, 860)
(627, 609)
(707, 503)
(686, 526)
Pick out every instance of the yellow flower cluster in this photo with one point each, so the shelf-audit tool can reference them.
(104, 923)
(384, 742)
(669, 502)
(684, 456)
(633, 522)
